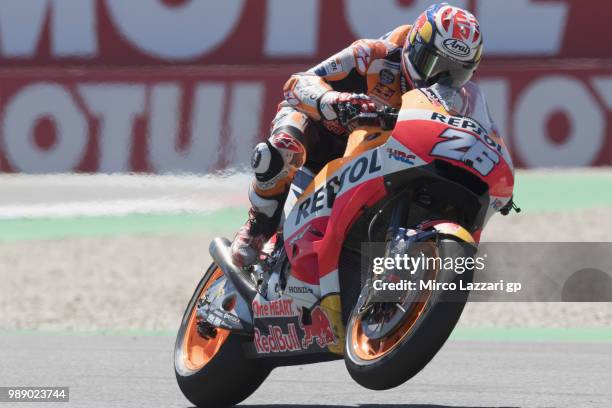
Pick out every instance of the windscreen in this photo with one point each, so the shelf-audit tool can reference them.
(466, 101)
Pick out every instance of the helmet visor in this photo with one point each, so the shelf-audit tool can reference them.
(429, 63)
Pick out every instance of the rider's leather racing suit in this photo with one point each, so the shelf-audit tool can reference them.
(305, 131)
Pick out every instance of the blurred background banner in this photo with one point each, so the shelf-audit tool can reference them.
(191, 85)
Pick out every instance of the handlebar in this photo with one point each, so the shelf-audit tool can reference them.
(350, 116)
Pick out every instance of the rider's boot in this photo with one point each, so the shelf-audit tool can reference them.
(259, 228)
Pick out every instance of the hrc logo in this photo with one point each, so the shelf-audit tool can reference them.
(398, 155)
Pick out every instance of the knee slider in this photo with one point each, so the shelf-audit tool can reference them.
(291, 149)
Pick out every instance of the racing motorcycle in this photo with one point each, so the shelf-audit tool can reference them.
(430, 173)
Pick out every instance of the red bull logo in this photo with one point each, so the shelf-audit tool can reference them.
(276, 341)
(320, 330)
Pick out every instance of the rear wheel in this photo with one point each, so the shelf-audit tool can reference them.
(213, 372)
(414, 334)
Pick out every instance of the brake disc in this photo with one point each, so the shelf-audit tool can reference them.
(379, 319)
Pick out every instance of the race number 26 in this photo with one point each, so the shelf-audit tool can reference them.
(468, 149)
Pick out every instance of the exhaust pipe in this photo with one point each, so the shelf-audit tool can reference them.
(220, 252)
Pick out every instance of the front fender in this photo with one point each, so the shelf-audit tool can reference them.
(449, 228)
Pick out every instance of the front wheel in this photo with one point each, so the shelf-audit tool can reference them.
(213, 372)
(383, 362)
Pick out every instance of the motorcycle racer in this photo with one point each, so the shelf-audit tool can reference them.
(444, 45)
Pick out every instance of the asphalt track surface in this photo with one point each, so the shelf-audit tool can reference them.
(126, 371)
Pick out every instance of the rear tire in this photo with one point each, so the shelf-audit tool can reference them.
(420, 344)
(228, 377)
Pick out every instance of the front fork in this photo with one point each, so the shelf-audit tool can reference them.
(381, 317)
(400, 238)
(395, 231)
(398, 217)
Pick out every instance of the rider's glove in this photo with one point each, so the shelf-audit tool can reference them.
(329, 102)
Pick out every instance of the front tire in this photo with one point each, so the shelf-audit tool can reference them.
(389, 362)
(213, 372)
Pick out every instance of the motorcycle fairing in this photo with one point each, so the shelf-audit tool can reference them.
(440, 112)
(499, 178)
(317, 222)
(285, 328)
(313, 240)
(315, 227)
